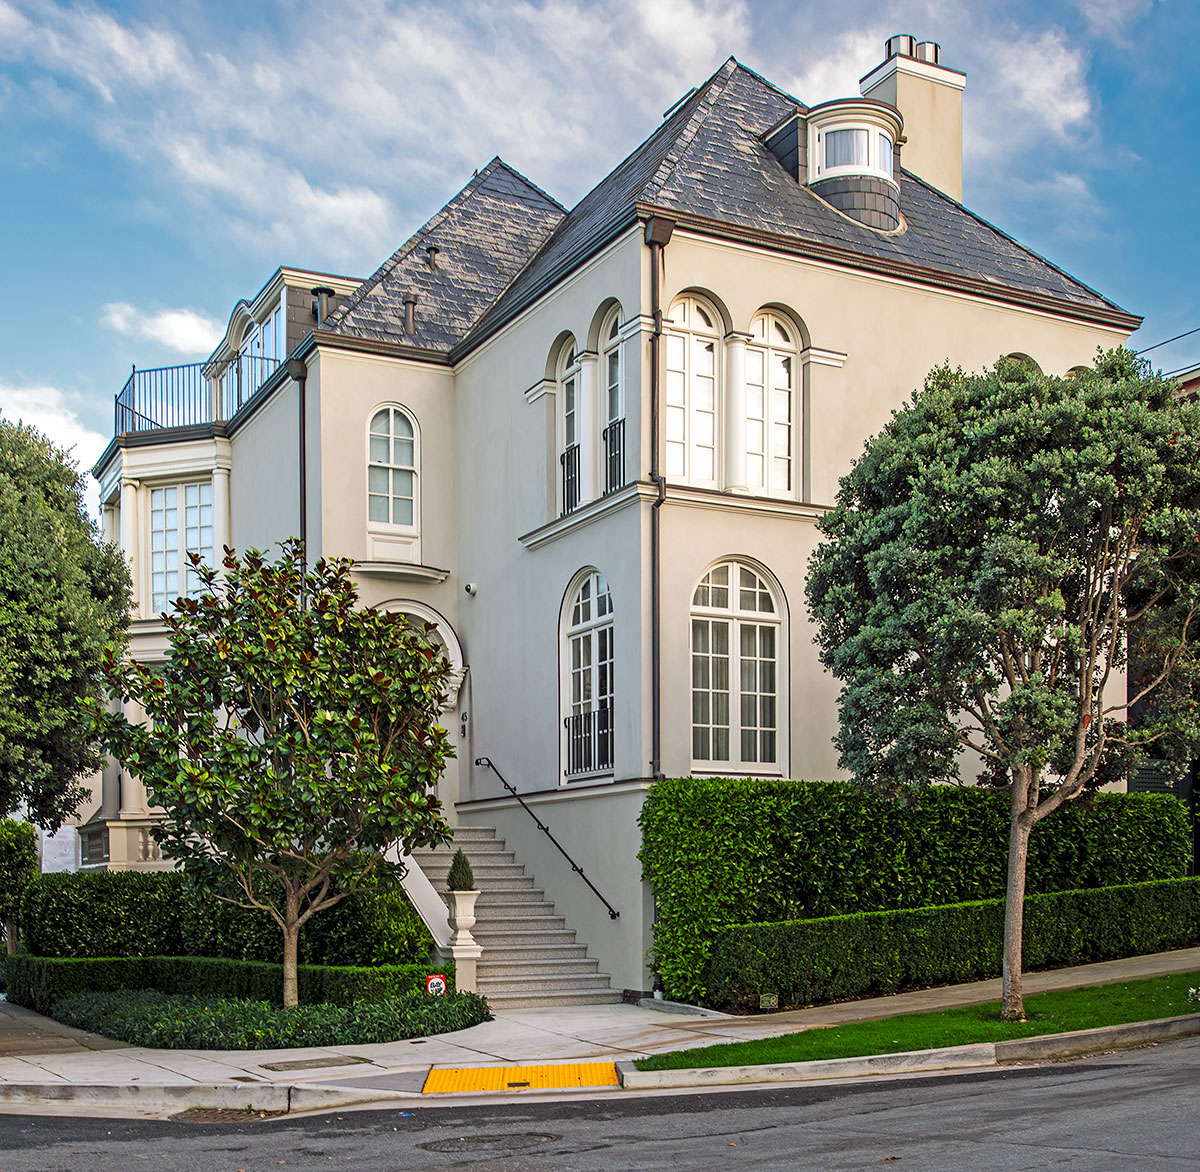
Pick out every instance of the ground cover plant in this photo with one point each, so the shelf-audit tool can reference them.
(146, 1017)
(1003, 551)
(1046, 1013)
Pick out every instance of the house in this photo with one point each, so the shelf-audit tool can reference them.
(591, 446)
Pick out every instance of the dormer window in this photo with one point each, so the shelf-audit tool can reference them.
(853, 150)
(851, 153)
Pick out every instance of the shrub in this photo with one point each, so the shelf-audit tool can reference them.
(126, 913)
(39, 982)
(149, 1018)
(807, 961)
(719, 851)
(460, 877)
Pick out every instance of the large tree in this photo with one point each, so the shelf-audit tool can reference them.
(990, 559)
(63, 597)
(291, 738)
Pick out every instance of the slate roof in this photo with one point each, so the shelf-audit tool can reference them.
(484, 236)
(707, 162)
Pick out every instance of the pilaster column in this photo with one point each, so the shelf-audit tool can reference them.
(133, 792)
(222, 521)
(735, 412)
(129, 539)
(589, 436)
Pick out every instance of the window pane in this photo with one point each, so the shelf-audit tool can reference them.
(401, 425)
(377, 480)
(846, 148)
(377, 508)
(885, 154)
(381, 423)
(403, 453)
(402, 511)
(379, 449)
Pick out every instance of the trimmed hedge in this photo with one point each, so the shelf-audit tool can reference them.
(130, 913)
(719, 851)
(870, 953)
(40, 982)
(148, 1018)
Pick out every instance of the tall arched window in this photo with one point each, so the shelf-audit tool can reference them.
(771, 369)
(569, 425)
(588, 682)
(392, 469)
(737, 650)
(693, 339)
(614, 402)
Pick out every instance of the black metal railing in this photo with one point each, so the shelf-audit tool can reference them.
(614, 456)
(486, 763)
(187, 395)
(570, 479)
(167, 396)
(589, 741)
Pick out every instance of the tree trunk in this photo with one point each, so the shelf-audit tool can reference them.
(291, 948)
(10, 933)
(1012, 1007)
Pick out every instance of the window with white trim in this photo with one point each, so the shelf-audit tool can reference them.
(854, 150)
(392, 470)
(588, 666)
(693, 349)
(613, 436)
(181, 523)
(569, 428)
(737, 641)
(772, 365)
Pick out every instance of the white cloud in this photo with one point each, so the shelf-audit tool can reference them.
(54, 413)
(186, 331)
(835, 73)
(1109, 18)
(1064, 199)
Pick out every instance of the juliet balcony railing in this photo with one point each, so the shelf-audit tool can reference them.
(614, 456)
(188, 395)
(570, 479)
(590, 741)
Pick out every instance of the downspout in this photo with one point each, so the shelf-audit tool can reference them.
(658, 234)
(299, 371)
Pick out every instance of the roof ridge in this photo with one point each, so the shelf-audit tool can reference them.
(701, 107)
(770, 84)
(1012, 239)
(405, 250)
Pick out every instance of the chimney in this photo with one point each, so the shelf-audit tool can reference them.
(929, 98)
(320, 307)
(410, 313)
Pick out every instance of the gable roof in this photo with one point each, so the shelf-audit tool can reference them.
(484, 236)
(708, 168)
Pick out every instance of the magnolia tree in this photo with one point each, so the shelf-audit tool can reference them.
(992, 558)
(291, 737)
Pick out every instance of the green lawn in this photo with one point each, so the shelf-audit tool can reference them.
(1049, 1013)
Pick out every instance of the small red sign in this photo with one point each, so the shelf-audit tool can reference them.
(435, 984)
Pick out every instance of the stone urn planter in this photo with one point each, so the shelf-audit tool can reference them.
(462, 915)
(461, 898)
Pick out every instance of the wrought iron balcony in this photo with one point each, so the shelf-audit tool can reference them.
(570, 479)
(189, 395)
(590, 741)
(614, 456)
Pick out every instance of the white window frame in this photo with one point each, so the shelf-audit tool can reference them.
(612, 359)
(875, 152)
(186, 579)
(391, 540)
(736, 621)
(594, 671)
(690, 408)
(777, 450)
(567, 386)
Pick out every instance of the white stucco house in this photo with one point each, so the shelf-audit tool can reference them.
(591, 445)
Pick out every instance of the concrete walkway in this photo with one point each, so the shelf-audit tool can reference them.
(39, 1056)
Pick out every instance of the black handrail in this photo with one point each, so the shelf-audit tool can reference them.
(486, 763)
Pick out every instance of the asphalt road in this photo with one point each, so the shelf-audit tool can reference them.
(1133, 1112)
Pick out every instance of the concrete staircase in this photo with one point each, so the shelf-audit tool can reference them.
(530, 956)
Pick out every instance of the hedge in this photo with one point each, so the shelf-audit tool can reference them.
(869, 953)
(147, 1018)
(129, 913)
(719, 851)
(40, 982)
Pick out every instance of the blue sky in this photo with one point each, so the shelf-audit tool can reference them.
(157, 162)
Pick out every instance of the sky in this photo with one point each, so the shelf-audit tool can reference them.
(159, 162)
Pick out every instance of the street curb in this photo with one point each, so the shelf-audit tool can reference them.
(1047, 1047)
(238, 1096)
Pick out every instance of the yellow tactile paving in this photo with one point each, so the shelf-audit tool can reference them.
(465, 1079)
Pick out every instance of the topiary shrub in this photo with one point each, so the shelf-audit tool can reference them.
(460, 876)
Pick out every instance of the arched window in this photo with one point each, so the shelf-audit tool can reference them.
(614, 402)
(771, 369)
(588, 682)
(737, 642)
(569, 427)
(693, 339)
(392, 470)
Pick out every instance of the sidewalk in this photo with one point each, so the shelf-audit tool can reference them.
(44, 1062)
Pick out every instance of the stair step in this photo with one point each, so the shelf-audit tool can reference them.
(502, 953)
(465, 833)
(522, 897)
(525, 939)
(550, 1000)
(490, 967)
(542, 984)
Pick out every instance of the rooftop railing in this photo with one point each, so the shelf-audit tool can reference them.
(192, 394)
